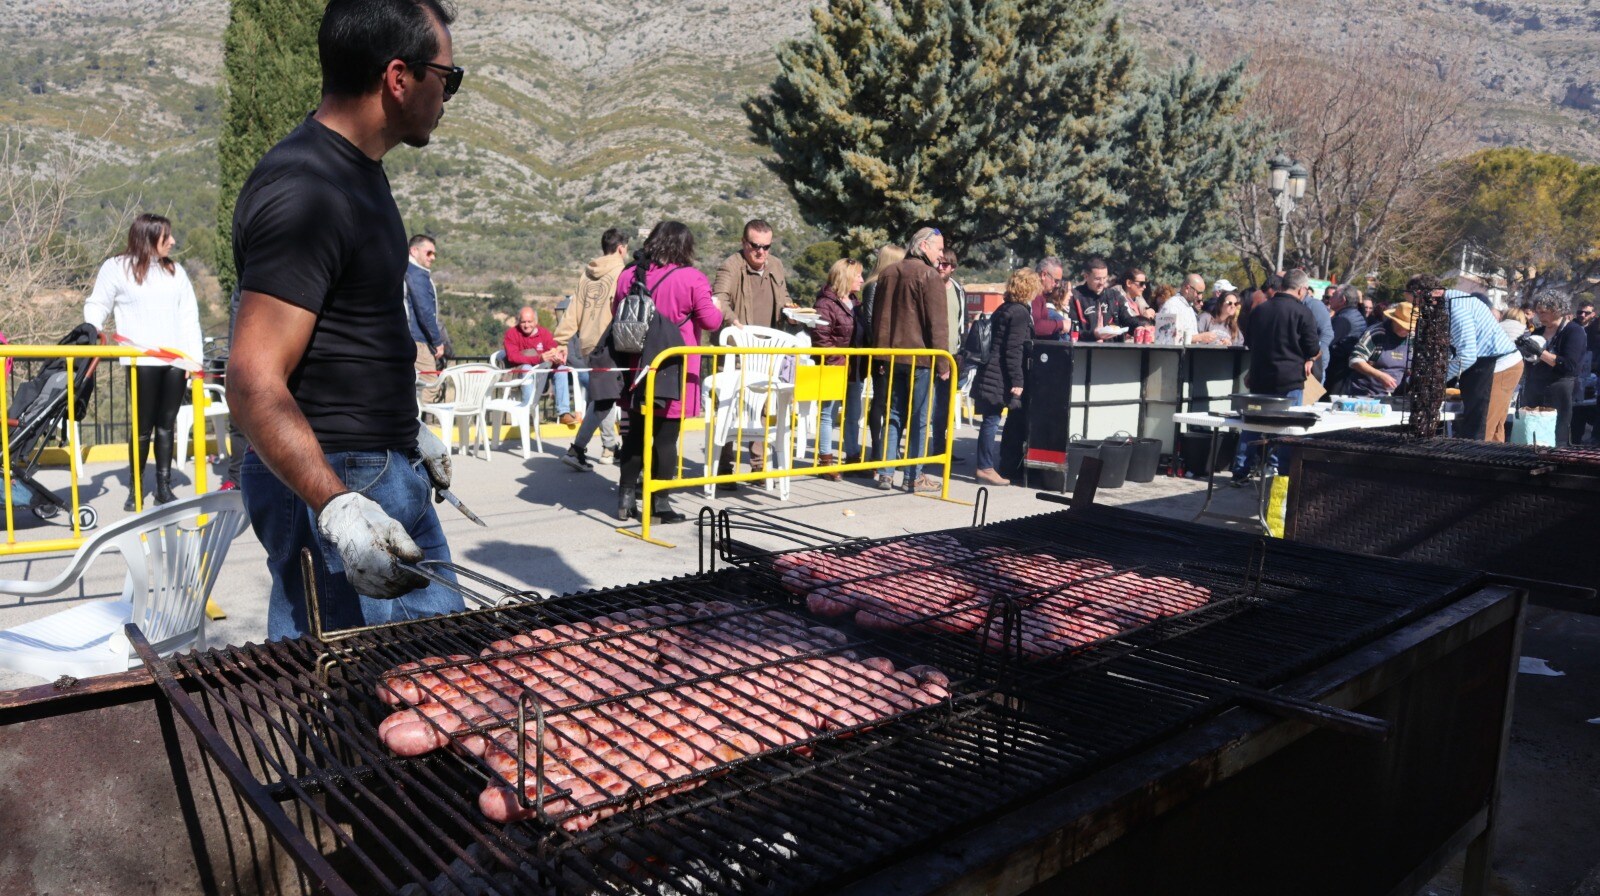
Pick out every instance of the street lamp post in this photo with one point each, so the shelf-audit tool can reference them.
(1287, 184)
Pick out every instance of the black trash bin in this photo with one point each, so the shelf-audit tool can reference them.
(1146, 460)
(1195, 450)
(1077, 450)
(1115, 453)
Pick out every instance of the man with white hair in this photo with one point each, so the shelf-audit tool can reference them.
(911, 313)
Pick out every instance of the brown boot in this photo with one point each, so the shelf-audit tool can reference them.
(828, 460)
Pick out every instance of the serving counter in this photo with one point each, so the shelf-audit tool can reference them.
(1112, 387)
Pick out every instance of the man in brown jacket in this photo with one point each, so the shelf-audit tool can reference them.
(751, 287)
(587, 316)
(911, 313)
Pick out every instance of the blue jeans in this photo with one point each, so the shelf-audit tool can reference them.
(1241, 457)
(988, 454)
(908, 401)
(563, 387)
(285, 525)
(851, 435)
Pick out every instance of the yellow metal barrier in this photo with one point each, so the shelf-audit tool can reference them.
(73, 354)
(818, 383)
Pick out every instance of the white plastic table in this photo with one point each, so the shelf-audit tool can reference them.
(1330, 422)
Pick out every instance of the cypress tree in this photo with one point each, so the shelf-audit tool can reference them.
(272, 79)
(997, 118)
(1187, 148)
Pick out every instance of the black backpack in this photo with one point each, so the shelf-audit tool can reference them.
(631, 323)
(978, 342)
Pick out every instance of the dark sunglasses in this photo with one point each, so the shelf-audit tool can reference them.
(758, 247)
(1141, 282)
(452, 75)
(946, 264)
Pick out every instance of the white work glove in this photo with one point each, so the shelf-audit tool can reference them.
(371, 543)
(435, 457)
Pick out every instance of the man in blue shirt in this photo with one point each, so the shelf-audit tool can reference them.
(1324, 320)
(1484, 361)
(422, 312)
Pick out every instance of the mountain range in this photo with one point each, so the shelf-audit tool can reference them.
(575, 117)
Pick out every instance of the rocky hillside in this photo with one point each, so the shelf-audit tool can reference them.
(578, 116)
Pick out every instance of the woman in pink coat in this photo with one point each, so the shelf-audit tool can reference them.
(683, 296)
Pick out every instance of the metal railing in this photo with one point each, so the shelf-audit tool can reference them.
(780, 415)
(14, 469)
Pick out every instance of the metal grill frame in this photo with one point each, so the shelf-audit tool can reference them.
(1026, 743)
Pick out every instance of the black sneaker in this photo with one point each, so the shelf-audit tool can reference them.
(577, 459)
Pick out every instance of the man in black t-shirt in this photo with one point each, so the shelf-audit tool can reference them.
(321, 376)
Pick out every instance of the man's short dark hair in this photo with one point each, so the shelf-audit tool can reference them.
(418, 239)
(358, 39)
(611, 239)
(1422, 283)
(1132, 274)
(1095, 263)
(757, 225)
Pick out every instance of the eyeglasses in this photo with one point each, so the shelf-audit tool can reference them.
(1586, 312)
(1226, 304)
(452, 75)
(758, 247)
(1141, 283)
(945, 265)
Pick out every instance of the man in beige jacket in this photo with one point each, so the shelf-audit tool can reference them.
(751, 288)
(587, 316)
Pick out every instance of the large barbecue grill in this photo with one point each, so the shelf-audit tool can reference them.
(1517, 510)
(291, 725)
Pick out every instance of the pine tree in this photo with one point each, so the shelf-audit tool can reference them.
(1187, 148)
(272, 79)
(997, 118)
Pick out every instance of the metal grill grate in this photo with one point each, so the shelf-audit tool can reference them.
(300, 719)
(1528, 458)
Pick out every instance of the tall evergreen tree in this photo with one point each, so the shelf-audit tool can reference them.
(998, 118)
(272, 79)
(1187, 147)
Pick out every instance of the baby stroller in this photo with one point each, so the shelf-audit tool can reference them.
(40, 408)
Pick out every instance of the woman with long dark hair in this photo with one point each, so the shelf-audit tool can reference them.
(153, 302)
(682, 295)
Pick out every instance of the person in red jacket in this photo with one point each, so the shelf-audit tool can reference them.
(527, 343)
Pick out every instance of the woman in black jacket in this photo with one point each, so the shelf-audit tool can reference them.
(1552, 376)
(998, 385)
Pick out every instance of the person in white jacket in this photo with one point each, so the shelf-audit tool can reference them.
(153, 302)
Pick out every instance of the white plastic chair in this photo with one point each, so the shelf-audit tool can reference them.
(172, 561)
(472, 383)
(525, 414)
(742, 396)
(216, 416)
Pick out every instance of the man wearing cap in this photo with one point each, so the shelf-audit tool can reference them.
(911, 314)
(1382, 354)
(1485, 362)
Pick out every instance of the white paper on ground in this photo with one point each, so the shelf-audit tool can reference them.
(1532, 665)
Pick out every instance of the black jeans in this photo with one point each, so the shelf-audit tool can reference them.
(878, 408)
(160, 394)
(1476, 383)
(630, 458)
(1554, 394)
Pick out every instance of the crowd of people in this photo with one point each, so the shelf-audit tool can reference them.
(330, 290)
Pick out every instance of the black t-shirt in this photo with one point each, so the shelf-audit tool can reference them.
(317, 227)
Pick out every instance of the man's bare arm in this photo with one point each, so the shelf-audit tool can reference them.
(273, 336)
